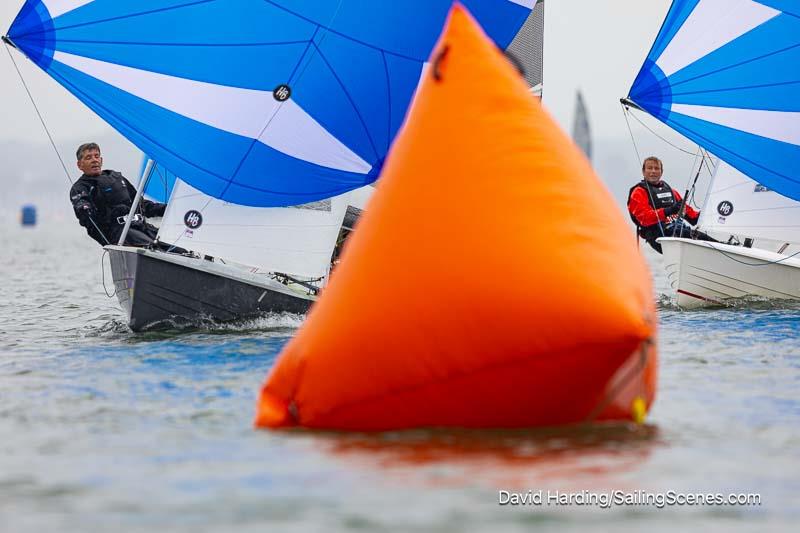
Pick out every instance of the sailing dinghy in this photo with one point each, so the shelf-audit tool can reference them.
(764, 264)
(265, 105)
(726, 74)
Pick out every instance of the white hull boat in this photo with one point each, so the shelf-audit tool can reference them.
(724, 75)
(705, 273)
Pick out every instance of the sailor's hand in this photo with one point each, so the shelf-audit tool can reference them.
(673, 209)
(85, 211)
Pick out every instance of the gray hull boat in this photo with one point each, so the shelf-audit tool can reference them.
(160, 290)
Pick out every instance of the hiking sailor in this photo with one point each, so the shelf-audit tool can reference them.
(102, 200)
(655, 208)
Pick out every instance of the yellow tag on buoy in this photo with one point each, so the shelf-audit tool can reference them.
(638, 410)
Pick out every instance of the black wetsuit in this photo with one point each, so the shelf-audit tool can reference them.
(101, 203)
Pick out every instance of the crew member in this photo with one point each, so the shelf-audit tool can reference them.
(102, 200)
(655, 208)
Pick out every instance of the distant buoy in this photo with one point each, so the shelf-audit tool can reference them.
(28, 215)
(492, 281)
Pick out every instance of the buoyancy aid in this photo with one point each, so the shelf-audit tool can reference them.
(659, 197)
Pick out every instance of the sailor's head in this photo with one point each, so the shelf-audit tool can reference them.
(90, 162)
(652, 169)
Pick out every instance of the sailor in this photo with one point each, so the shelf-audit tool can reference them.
(102, 200)
(654, 207)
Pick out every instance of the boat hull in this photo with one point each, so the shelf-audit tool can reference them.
(159, 290)
(704, 274)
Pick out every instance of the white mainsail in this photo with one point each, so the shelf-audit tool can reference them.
(737, 205)
(296, 240)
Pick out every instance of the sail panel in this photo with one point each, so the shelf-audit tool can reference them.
(776, 125)
(348, 69)
(736, 146)
(731, 19)
(528, 46)
(209, 154)
(726, 74)
(787, 6)
(59, 7)
(754, 71)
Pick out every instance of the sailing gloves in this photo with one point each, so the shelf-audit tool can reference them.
(673, 209)
(84, 212)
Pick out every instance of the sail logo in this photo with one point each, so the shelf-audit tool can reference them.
(282, 93)
(193, 219)
(725, 208)
(760, 188)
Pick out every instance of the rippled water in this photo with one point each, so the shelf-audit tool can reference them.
(101, 429)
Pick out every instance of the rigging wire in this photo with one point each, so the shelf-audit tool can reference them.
(625, 112)
(639, 158)
(39, 114)
(766, 263)
(657, 135)
(49, 136)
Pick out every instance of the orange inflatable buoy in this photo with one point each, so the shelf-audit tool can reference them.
(492, 282)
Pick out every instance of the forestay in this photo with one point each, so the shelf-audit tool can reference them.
(255, 102)
(726, 74)
(737, 205)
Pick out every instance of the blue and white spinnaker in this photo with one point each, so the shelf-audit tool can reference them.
(726, 74)
(254, 102)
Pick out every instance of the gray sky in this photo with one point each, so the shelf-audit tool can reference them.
(597, 46)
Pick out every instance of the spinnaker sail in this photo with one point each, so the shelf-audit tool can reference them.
(254, 102)
(726, 74)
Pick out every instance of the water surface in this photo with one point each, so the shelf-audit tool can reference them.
(101, 429)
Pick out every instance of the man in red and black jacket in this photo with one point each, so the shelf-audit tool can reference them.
(654, 207)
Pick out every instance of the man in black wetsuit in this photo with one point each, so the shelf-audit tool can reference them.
(102, 200)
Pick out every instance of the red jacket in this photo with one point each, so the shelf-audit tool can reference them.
(642, 211)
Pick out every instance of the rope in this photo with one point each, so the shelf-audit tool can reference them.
(659, 136)
(625, 112)
(767, 263)
(103, 274)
